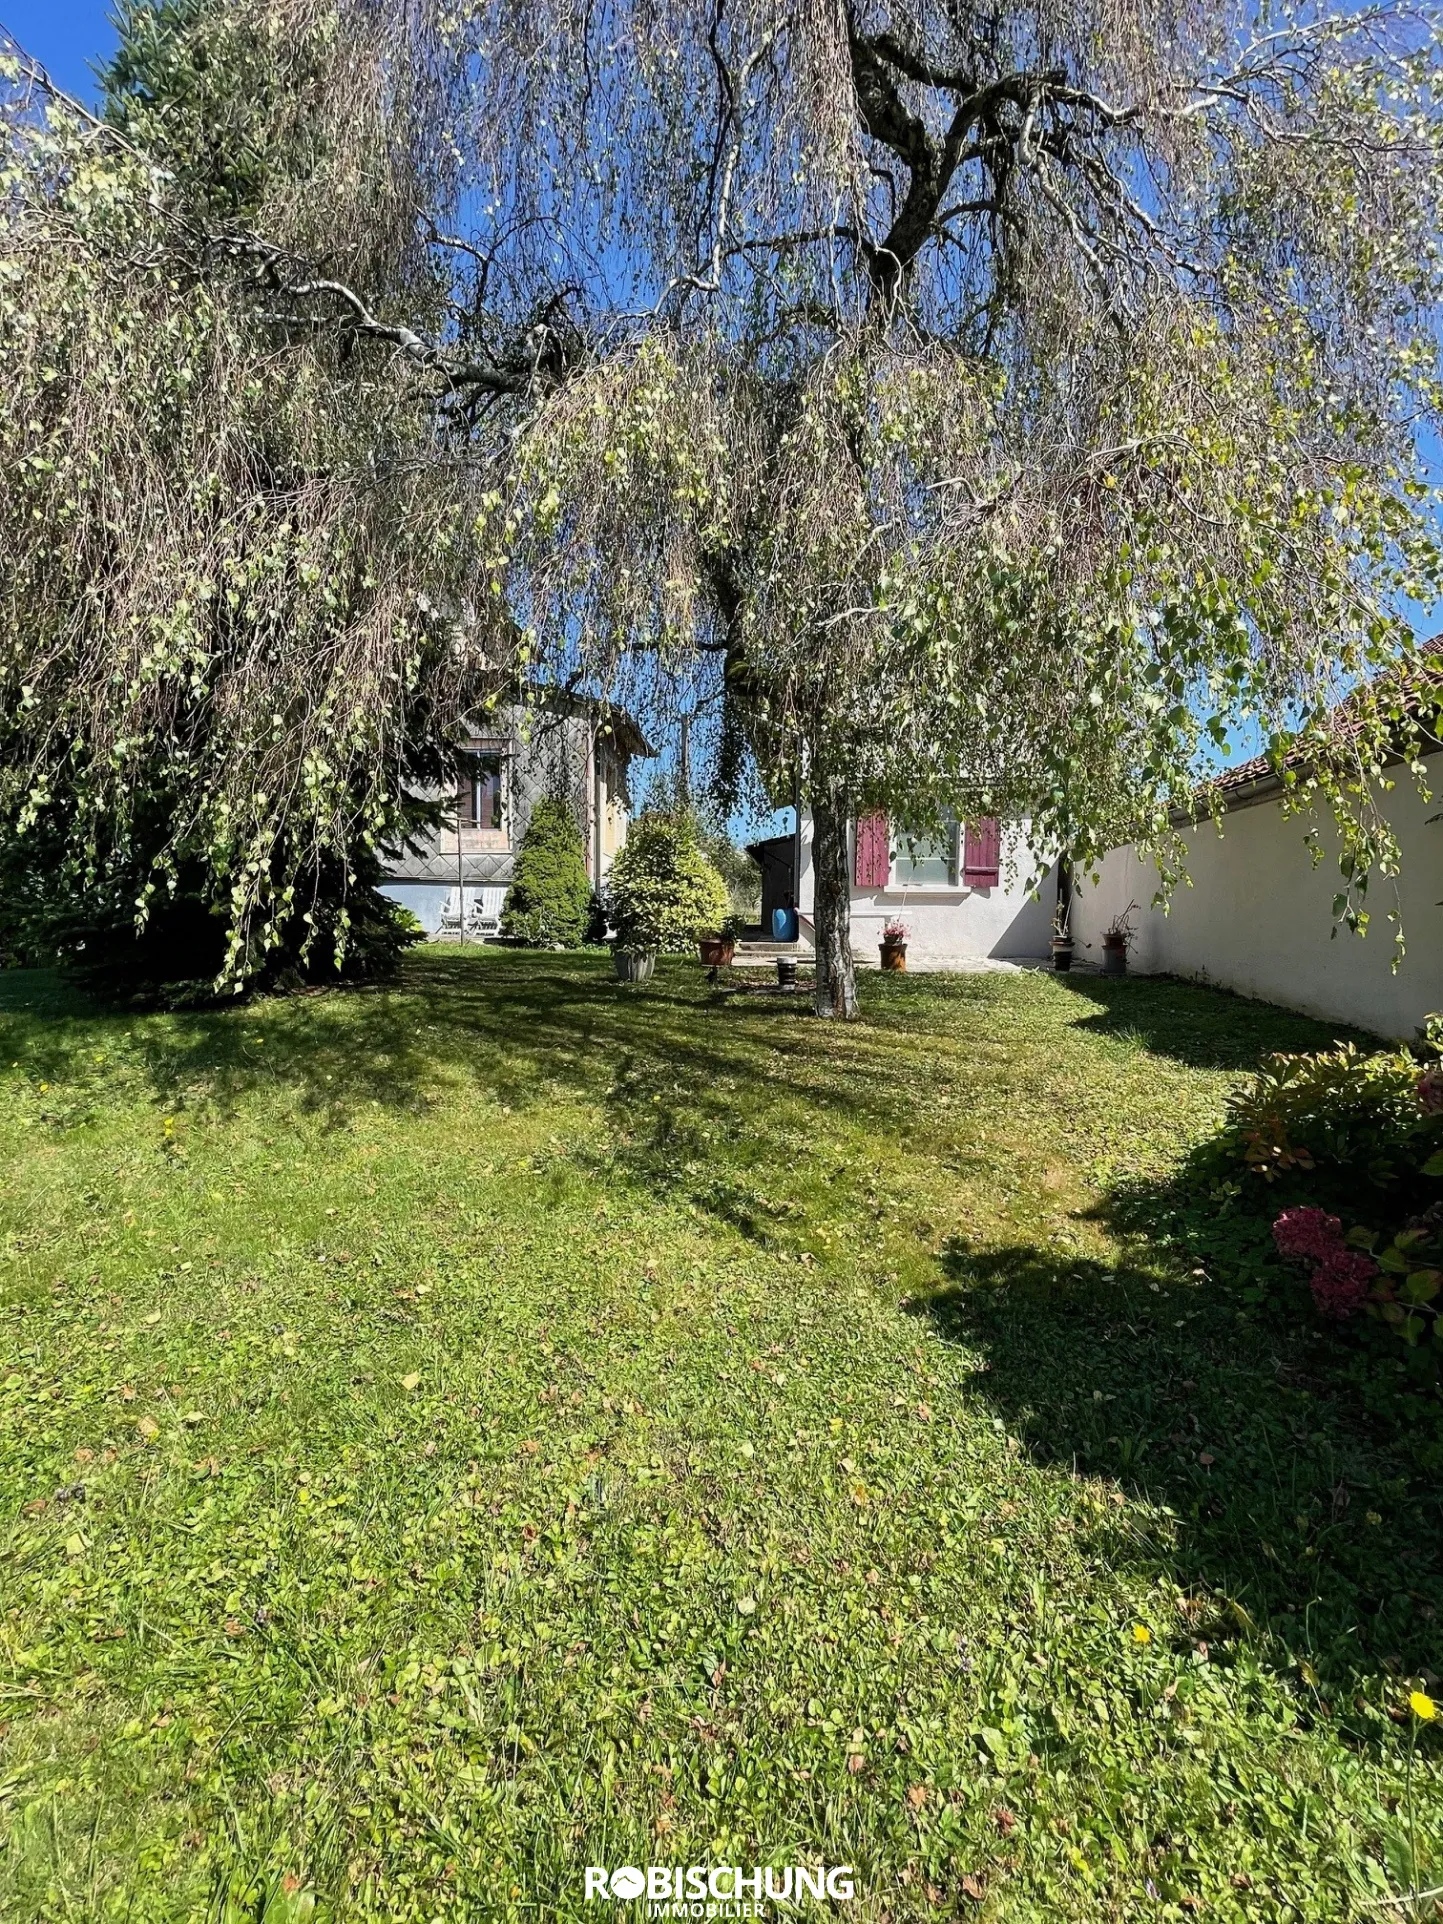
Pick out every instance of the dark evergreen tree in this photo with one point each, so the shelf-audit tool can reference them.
(549, 903)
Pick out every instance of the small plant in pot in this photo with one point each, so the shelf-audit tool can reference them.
(718, 946)
(1117, 939)
(1061, 941)
(894, 947)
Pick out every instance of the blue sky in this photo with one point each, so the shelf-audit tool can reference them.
(66, 36)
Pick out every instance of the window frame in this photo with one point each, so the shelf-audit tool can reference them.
(470, 779)
(953, 880)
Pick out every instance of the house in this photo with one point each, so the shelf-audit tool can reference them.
(975, 892)
(1256, 913)
(455, 883)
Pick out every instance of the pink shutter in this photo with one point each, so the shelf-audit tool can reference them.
(981, 854)
(873, 868)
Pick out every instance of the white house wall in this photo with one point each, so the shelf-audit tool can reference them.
(1257, 917)
(952, 926)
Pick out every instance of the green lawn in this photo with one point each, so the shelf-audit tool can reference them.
(457, 1435)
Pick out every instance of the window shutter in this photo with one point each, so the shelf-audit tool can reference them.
(873, 868)
(465, 795)
(981, 853)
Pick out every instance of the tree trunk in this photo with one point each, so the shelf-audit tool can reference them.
(832, 908)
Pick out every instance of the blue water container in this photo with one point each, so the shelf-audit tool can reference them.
(784, 925)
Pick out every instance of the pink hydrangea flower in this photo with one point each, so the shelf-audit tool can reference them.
(1308, 1234)
(1430, 1088)
(1341, 1284)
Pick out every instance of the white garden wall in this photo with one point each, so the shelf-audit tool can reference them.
(1258, 918)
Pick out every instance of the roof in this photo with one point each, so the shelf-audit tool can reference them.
(623, 731)
(1260, 778)
(771, 848)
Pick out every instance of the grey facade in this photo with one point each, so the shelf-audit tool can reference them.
(456, 884)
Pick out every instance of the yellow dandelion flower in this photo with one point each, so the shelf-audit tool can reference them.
(1422, 1705)
(1141, 1633)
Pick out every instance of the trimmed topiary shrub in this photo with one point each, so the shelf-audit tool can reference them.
(549, 902)
(663, 891)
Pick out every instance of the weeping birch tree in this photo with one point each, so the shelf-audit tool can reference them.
(1012, 400)
(997, 405)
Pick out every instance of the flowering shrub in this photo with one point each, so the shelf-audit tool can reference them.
(1366, 1116)
(1307, 1234)
(1342, 1278)
(896, 931)
(1400, 1287)
(1342, 1284)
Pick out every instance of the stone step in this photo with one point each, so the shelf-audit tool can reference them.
(762, 955)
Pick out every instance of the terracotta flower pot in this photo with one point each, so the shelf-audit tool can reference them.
(716, 950)
(894, 957)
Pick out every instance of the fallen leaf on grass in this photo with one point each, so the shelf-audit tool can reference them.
(917, 1796)
(148, 1427)
(410, 1382)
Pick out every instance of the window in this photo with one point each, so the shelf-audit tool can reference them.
(482, 788)
(926, 861)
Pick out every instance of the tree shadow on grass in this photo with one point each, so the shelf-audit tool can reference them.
(1199, 1026)
(706, 1096)
(1280, 1505)
(675, 1068)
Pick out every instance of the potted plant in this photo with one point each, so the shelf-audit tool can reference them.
(718, 946)
(1061, 940)
(1117, 939)
(894, 947)
(660, 892)
(632, 965)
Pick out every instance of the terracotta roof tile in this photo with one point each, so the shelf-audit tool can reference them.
(1341, 723)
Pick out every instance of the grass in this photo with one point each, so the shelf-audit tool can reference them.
(456, 1435)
